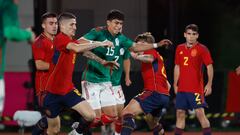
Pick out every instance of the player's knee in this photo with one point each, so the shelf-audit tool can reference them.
(181, 114)
(90, 116)
(200, 113)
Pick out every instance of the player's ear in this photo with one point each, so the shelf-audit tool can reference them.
(185, 34)
(43, 26)
(108, 22)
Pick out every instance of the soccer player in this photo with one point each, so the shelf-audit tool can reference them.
(43, 50)
(9, 30)
(125, 64)
(188, 79)
(60, 89)
(156, 90)
(96, 84)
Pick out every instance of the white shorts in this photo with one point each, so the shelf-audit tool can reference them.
(118, 94)
(98, 95)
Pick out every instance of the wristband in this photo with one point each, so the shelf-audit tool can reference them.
(155, 45)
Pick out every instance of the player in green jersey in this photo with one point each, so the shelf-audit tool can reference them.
(96, 84)
(123, 59)
(9, 30)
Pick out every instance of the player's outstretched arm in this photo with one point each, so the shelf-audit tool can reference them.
(146, 58)
(81, 47)
(139, 47)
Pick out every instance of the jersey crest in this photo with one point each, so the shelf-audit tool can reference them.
(117, 41)
(194, 53)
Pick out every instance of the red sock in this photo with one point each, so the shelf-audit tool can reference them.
(118, 125)
(107, 119)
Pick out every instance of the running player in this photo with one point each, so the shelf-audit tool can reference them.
(60, 89)
(156, 90)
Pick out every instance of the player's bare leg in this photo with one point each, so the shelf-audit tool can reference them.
(53, 126)
(109, 114)
(180, 123)
(205, 124)
(154, 125)
(87, 116)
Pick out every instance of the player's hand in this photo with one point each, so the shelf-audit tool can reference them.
(111, 64)
(238, 70)
(107, 43)
(128, 81)
(208, 90)
(175, 88)
(33, 35)
(134, 55)
(164, 42)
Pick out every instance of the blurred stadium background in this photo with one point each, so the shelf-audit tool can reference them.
(219, 23)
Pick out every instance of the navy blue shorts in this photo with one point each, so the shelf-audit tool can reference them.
(54, 104)
(152, 102)
(187, 100)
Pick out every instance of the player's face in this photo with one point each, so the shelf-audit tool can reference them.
(141, 42)
(115, 26)
(70, 27)
(191, 36)
(50, 26)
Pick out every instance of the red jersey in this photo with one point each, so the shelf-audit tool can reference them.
(60, 80)
(154, 74)
(190, 61)
(43, 50)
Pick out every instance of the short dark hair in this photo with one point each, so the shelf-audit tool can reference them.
(66, 16)
(115, 14)
(192, 27)
(147, 37)
(48, 15)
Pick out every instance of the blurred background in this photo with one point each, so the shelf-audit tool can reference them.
(219, 23)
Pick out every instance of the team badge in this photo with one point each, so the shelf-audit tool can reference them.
(117, 41)
(193, 52)
(122, 51)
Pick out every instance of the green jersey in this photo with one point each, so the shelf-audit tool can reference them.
(96, 72)
(117, 74)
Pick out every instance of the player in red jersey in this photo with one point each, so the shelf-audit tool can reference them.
(188, 79)
(156, 90)
(42, 50)
(60, 89)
